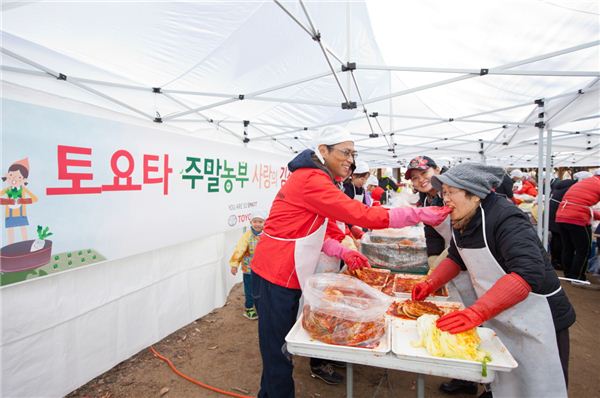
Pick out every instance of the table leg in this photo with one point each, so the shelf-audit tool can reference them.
(420, 386)
(349, 381)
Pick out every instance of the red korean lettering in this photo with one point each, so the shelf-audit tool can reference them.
(155, 169)
(122, 174)
(65, 163)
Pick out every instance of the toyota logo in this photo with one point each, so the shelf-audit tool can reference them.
(232, 220)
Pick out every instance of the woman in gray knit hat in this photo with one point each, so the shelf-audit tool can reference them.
(518, 292)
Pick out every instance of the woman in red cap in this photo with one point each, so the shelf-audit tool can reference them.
(420, 171)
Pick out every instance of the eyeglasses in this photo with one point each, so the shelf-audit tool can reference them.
(448, 193)
(347, 153)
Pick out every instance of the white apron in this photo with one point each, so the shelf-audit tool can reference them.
(330, 263)
(461, 282)
(358, 197)
(306, 251)
(445, 230)
(526, 329)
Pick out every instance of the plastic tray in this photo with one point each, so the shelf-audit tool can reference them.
(404, 332)
(298, 340)
(446, 306)
(407, 295)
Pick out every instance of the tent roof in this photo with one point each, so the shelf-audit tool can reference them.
(446, 79)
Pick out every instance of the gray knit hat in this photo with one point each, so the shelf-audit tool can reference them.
(476, 178)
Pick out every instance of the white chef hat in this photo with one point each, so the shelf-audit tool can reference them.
(516, 173)
(330, 135)
(372, 180)
(361, 167)
(259, 214)
(582, 175)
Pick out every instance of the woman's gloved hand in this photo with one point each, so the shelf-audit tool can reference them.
(352, 258)
(508, 291)
(355, 260)
(407, 216)
(460, 321)
(357, 232)
(441, 275)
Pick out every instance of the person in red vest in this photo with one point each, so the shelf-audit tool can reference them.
(574, 218)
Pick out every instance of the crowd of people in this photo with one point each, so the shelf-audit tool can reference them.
(476, 237)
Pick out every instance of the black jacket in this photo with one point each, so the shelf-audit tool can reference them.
(506, 187)
(434, 241)
(388, 184)
(559, 189)
(514, 243)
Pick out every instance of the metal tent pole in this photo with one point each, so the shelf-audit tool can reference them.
(183, 104)
(549, 172)
(314, 127)
(540, 125)
(348, 47)
(478, 71)
(498, 68)
(63, 77)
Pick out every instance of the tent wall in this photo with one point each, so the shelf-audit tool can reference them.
(59, 332)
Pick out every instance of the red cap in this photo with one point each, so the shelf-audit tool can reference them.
(419, 163)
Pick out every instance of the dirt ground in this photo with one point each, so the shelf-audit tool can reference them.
(221, 349)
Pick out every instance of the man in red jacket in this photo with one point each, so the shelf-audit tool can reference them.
(574, 219)
(293, 239)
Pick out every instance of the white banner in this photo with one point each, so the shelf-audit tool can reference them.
(107, 189)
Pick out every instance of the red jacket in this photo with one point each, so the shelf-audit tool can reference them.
(575, 205)
(527, 189)
(300, 207)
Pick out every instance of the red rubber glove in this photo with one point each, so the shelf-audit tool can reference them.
(406, 216)
(445, 272)
(508, 291)
(357, 232)
(355, 260)
(352, 258)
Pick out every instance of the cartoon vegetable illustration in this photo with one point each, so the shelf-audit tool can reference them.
(39, 243)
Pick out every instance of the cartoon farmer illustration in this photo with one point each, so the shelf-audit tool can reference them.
(16, 197)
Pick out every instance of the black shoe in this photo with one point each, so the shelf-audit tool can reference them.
(486, 394)
(338, 364)
(456, 386)
(327, 374)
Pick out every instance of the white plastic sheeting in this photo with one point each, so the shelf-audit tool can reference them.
(60, 332)
(204, 55)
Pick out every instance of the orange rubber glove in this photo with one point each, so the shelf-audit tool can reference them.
(508, 291)
(442, 274)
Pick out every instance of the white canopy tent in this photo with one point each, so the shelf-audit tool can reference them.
(461, 80)
(454, 80)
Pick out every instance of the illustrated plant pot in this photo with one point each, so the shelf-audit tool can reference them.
(18, 257)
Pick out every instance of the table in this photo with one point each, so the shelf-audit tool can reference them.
(383, 360)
